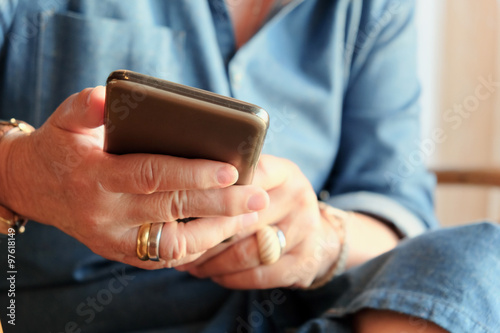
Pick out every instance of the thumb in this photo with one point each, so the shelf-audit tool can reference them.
(82, 111)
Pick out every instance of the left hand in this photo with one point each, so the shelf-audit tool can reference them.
(311, 243)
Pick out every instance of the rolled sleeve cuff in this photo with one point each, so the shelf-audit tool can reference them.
(382, 207)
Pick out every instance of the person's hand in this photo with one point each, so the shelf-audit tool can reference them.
(59, 175)
(312, 245)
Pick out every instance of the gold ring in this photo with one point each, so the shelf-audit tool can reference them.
(271, 242)
(142, 241)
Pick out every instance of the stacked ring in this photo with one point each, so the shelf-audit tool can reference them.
(148, 241)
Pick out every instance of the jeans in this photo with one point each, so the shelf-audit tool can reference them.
(448, 276)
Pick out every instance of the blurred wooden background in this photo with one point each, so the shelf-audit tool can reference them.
(460, 68)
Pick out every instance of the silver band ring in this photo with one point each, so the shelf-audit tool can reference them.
(282, 239)
(154, 241)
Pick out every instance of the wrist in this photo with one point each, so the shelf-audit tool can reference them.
(10, 132)
(337, 249)
(5, 149)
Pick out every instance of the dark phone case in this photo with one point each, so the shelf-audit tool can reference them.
(148, 115)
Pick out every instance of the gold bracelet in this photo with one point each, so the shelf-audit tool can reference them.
(339, 219)
(10, 221)
(7, 126)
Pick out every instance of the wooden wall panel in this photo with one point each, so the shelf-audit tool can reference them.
(469, 106)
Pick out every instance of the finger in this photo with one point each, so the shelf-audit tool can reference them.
(279, 206)
(244, 254)
(272, 171)
(178, 241)
(289, 271)
(152, 265)
(213, 252)
(170, 206)
(125, 248)
(81, 112)
(240, 256)
(147, 173)
(181, 239)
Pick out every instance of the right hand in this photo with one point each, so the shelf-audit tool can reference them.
(60, 175)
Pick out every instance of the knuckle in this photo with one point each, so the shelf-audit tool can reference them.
(148, 180)
(176, 207)
(174, 248)
(86, 230)
(170, 206)
(91, 225)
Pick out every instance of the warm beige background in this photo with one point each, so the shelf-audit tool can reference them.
(467, 54)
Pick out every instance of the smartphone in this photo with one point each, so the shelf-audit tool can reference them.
(144, 114)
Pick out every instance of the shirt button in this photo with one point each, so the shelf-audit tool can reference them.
(236, 77)
(324, 195)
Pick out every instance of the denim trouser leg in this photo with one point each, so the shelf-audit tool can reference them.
(450, 277)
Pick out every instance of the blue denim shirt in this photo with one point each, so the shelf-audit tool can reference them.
(338, 79)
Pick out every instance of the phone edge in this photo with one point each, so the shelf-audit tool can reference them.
(187, 91)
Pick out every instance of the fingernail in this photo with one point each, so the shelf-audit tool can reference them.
(227, 175)
(257, 202)
(250, 219)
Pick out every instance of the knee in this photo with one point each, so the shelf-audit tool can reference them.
(452, 270)
(474, 246)
(458, 259)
